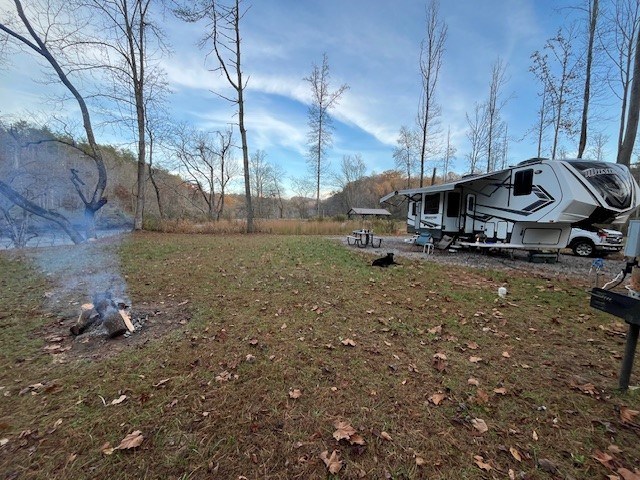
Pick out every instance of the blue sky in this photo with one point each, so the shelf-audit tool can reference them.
(373, 46)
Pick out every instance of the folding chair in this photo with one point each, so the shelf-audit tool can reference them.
(425, 240)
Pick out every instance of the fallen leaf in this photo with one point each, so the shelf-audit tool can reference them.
(474, 382)
(295, 393)
(343, 430)
(161, 382)
(547, 465)
(480, 425)
(72, 457)
(118, 400)
(106, 449)
(628, 474)
(512, 474)
(420, 461)
(333, 463)
(604, 458)
(479, 461)
(348, 342)
(614, 449)
(435, 330)
(472, 345)
(356, 439)
(473, 359)
(386, 436)
(627, 415)
(534, 435)
(253, 341)
(506, 354)
(250, 358)
(437, 398)
(3, 441)
(440, 361)
(515, 454)
(133, 440)
(500, 391)
(482, 396)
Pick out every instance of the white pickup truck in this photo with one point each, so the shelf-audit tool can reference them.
(592, 241)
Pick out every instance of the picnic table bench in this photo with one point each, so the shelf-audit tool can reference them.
(362, 238)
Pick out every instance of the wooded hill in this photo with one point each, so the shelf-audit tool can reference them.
(41, 165)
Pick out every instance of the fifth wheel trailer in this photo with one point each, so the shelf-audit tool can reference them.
(531, 205)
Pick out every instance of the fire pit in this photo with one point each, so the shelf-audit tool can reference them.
(110, 313)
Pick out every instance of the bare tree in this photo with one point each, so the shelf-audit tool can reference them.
(129, 39)
(431, 51)
(496, 101)
(352, 169)
(206, 162)
(405, 154)
(225, 42)
(543, 118)
(631, 129)
(276, 188)
(618, 33)
(228, 167)
(477, 136)
(303, 190)
(260, 172)
(597, 150)
(593, 22)
(449, 156)
(323, 99)
(558, 76)
(43, 44)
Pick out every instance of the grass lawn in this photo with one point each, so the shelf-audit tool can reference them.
(260, 353)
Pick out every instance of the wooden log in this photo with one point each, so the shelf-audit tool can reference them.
(113, 322)
(88, 316)
(127, 320)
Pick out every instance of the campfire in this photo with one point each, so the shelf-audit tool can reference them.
(110, 313)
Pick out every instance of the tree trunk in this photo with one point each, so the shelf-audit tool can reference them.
(624, 154)
(54, 217)
(587, 81)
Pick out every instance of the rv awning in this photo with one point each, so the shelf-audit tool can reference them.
(444, 187)
(366, 212)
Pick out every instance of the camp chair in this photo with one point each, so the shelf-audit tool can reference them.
(425, 240)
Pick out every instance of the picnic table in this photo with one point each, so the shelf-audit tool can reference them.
(363, 237)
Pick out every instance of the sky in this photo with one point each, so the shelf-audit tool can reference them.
(371, 45)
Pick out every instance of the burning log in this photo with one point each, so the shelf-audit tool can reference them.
(105, 310)
(113, 322)
(88, 317)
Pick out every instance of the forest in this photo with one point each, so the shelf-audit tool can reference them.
(107, 58)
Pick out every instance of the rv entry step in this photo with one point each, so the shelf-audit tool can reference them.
(536, 256)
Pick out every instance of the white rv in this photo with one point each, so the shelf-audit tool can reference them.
(531, 205)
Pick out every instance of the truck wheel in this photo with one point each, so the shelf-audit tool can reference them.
(583, 248)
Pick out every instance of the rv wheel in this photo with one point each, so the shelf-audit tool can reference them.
(583, 248)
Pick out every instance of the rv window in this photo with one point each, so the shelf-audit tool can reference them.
(414, 210)
(523, 182)
(453, 204)
(431, 204)
(471, 203)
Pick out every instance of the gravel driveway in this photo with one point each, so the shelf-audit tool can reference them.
(568, 265)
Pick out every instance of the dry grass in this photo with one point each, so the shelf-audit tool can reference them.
(278, 226)
(545, 364)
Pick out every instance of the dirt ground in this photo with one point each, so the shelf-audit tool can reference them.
(568, 265)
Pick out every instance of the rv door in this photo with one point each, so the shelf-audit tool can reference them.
(451, 219)
(470, 210)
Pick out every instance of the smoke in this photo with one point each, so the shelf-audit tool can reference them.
(79, 272)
